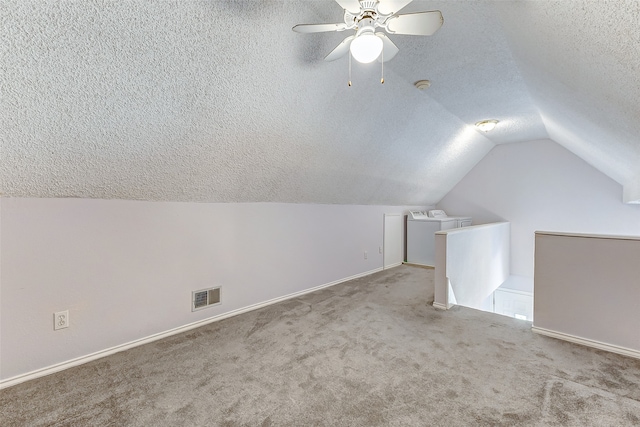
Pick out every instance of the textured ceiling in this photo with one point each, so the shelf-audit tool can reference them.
(219, 101)
(581, 62)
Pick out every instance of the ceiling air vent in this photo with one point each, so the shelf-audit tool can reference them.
(205, 298)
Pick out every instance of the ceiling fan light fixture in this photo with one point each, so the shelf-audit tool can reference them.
(366, 48)
(486, 125)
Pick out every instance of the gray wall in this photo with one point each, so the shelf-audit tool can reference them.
(587, 289)
(539, 185)
(125, 269)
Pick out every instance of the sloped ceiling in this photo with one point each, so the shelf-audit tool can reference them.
(219, 101)
(581, 63)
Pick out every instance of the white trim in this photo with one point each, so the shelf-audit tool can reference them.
(469, 227)
(440, 306)
(587, 236)
(412, 264)
(587, 342)
(513, 291)
(392, 265)
(116, 349)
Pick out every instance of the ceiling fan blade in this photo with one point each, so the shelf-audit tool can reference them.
(387, 7)
(389, 49)
(416, 24)
(352, 6)
(340, 50)
(318, 28)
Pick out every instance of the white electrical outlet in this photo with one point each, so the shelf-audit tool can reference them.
(379, 249)
(60, 320)
(365, 254)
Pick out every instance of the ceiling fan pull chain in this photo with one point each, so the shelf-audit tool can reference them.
(382, 63)
(349, 69)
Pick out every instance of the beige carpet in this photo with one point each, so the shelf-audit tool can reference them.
(369, 352)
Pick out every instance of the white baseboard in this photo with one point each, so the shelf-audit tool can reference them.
(439, 306)
(122, 347)
(419, 265)
(587, 342)
(386, 267)
(514, 291)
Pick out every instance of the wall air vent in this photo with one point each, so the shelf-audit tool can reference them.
(205, 298)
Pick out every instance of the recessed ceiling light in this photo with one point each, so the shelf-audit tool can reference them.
(422, 84)
(486, 125)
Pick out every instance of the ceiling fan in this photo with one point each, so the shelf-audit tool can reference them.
(365, 16)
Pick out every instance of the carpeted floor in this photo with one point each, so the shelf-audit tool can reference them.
(369, 352)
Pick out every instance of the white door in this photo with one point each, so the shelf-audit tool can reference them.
(392, 242)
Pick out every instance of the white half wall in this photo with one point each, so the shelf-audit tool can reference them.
(588, 290)
(471, 263)
(540, 185)
(125, 269)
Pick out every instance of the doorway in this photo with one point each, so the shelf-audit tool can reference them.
(392, 241)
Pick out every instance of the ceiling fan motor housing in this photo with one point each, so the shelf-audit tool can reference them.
(368, 10)
(368, 4)
(366, 24)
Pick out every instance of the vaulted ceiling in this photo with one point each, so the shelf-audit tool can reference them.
(219, 101)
